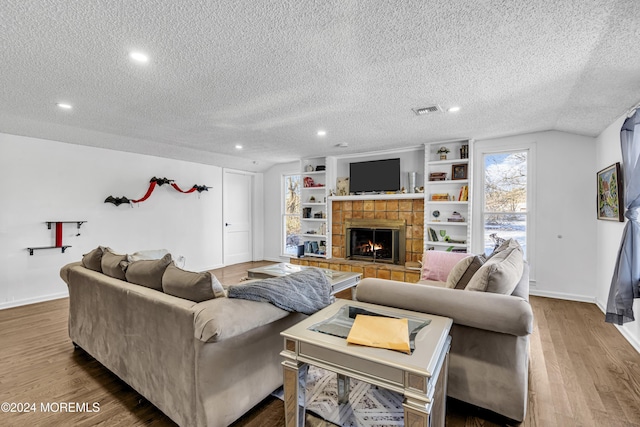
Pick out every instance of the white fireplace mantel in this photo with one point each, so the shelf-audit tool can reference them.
(377, 197)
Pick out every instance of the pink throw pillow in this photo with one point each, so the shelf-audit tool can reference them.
(436, 265)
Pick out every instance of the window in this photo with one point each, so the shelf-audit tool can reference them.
(505, 210)
(291, 213)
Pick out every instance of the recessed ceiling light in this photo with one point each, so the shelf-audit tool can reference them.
(138, 56)
(64, 106)
(453, 109)
(238, 147)
(322, 132)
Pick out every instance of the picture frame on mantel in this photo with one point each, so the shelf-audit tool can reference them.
(342, 186)
(459, 171)
(610, 202)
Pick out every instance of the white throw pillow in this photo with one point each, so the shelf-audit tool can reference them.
(148, 255)
(218, 290)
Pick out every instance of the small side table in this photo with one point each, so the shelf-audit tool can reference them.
(421, 377)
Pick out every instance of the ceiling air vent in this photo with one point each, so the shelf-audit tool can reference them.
(427, 110)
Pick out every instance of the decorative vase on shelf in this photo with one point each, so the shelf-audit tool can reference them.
(443, 152)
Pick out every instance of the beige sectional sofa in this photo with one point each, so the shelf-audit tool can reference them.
(489, 359)
(201, 363)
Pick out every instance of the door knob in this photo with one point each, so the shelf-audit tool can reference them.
(226, 224)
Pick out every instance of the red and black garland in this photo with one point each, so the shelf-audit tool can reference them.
(152, 185)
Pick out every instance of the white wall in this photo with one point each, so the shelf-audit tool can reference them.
(45, 180)
(273, 209)
(609, 233)
(564, 205)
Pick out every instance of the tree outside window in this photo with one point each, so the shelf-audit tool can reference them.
(291, 214)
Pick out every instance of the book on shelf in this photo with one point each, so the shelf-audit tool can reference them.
(463, 196)
(440, 196)
(455, 217)
(464, 152)
(433, 236)
(437, 176)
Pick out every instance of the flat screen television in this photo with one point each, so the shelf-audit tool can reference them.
(376, 175)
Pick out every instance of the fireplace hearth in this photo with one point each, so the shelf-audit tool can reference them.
(375, 240)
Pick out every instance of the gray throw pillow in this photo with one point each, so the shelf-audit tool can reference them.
(147, 273)
(507, 244)
(190, 285)
(475, 264)
(110, 264)
(500, 274)
(93, 260)
(457, 271)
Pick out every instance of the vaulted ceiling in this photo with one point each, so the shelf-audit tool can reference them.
(268, 74)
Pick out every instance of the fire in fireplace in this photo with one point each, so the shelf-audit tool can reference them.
(375, 240)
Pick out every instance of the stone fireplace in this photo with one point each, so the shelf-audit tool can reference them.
(411, 211)
(375, 240)
(407, 209)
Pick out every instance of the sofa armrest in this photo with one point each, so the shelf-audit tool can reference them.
(65, 270)
(494, 312)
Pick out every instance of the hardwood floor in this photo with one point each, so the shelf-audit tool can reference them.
(582, 373)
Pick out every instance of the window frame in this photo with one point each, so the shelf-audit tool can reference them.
(492, 147)
(284, 214)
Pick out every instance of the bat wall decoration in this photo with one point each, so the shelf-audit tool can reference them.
(152, 185)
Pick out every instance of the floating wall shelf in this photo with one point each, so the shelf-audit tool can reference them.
(59, 244)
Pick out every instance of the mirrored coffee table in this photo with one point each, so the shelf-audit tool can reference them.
(340, 280)
(421, 377)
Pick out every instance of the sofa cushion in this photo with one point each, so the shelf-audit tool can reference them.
(93, 260)
(190, 285)
(500, 274)
(147, 273)
(457, 271)
(436, 265)
(110, 264)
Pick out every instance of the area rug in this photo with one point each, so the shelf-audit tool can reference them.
(368, 406)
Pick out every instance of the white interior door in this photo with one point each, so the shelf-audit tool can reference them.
(237, 216)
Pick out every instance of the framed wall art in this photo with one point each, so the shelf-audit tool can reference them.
(610, 203)
(459, 171)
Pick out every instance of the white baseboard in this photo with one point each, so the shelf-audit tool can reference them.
(561, 295)
(635, 343)
(632, 340)
(278, 259)
(27, 301)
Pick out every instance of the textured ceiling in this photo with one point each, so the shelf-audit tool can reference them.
(268, 74)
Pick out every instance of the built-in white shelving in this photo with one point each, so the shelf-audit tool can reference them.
(313, 219)
(457, 169)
